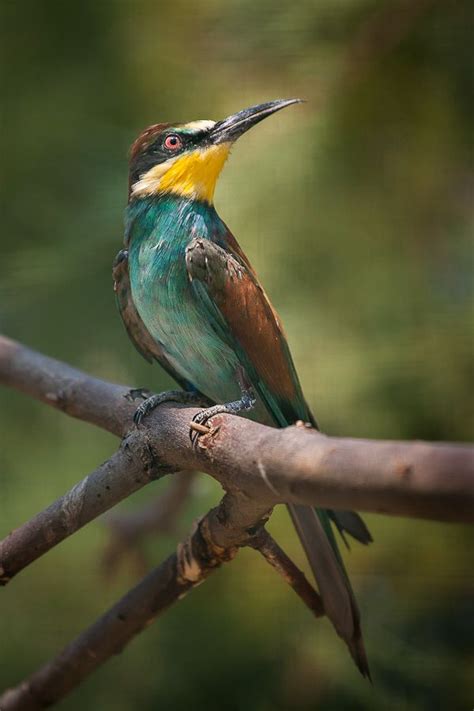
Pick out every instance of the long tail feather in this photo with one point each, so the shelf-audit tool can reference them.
(351, 523)
(314, 530)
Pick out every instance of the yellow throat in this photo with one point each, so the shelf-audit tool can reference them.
(192, 175)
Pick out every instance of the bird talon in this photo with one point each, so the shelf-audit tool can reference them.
(138, 416)
(202, 429)
(197, 428)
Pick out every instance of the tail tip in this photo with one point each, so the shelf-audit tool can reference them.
(360, 657)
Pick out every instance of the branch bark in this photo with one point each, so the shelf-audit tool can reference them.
(295, 465)
(285, 567)
(213, 541)
(258, 466)
(193, 562)
(133, 466)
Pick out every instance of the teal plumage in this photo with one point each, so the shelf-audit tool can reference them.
(193, 336)
(190, 299)
(159, 231)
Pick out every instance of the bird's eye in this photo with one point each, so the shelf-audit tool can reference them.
(173, 142)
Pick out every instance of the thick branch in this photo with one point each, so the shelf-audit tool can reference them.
(57, 384)
(271, 466)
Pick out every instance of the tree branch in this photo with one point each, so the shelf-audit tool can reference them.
(214, 540)
(67, 389)
(284, 566)
(193, 562)
(133, 466)
(294, 465)
(257, 465)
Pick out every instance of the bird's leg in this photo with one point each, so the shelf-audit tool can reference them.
(152, 401)
(247, 402)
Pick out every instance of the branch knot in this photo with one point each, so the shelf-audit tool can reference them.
(199, 554)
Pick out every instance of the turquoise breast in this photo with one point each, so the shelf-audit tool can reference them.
(158, 232)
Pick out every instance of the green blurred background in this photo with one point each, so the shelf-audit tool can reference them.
(354, 209)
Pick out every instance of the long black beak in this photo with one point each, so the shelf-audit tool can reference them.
(234, 126)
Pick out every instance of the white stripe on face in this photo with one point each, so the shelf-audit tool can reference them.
(199, 125)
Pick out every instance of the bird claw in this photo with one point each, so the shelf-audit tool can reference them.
(141, 412)
(147, 406)
(198, 426)
(202, 429)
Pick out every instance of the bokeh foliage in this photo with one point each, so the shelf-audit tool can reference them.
(355, 211)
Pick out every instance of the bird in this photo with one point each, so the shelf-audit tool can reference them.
(190, 299)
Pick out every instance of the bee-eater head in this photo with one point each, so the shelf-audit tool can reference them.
(186, 159)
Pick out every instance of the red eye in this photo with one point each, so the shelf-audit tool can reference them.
(173, 142)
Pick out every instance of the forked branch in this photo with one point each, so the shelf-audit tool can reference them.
(258, 467)
(194, 561)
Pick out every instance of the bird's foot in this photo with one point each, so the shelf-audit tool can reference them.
(152, 401)
(198, 424)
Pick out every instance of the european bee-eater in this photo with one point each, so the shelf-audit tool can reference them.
(190, 299)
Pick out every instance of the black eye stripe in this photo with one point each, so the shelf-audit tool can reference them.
(156, 152)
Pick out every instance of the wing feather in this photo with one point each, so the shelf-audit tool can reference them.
(241, 312)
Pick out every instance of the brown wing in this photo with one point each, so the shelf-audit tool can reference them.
(249, 321)
(136, 329)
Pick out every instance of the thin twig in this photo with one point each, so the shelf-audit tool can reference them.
(291, 574)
